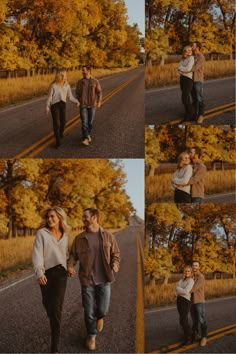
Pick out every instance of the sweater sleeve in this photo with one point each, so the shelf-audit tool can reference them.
(188, 171)
(50, 95)
(70, 95)
(37, 256)
(188, 67)
(186, 290)
(200, 173)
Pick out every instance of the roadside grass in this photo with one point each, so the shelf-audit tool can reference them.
(158, 295)
(22, 88)
(166, 75)
(158, 188)
(16, 253)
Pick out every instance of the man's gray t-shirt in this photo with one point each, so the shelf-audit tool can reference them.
(95, 246)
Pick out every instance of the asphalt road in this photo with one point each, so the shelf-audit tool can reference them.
(162, 327)
(118, 130)
(164, 105)
(24, 326)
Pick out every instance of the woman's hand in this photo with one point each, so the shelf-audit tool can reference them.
(71, 271)
(42, 280)
(47, 110)
(115, 268)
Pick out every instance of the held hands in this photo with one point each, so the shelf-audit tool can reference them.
(99, 105)
(47, 110)
(77, 104)
(71, 271)
(42, 280)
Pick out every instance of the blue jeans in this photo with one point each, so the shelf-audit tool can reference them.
(96, 301)
(87, 115)
(197, 200)
(197, 96)
(199, 318)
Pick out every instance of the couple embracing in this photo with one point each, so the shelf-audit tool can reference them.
(190, 298)
(188, 179)
(191, 71)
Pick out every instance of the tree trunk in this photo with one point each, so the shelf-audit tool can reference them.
(152, 171)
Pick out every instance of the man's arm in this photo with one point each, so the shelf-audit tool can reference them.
(99, 94)
(199, 63)
(115, 255)
(198, 284)
(72, 260)
(198, 175)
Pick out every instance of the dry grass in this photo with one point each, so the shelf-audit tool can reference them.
(17, 89)
(16, 253)
(163, 295)
(166, 75)
(158, 188)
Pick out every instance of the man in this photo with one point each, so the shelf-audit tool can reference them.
(99, 257)
(198, 78)
(198, 305)
(199, 173)
(89, 94)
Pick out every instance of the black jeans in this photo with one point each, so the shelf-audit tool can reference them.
(183, 306)
(53, 297)
(186, 85)
(58, 111)
(181, 196)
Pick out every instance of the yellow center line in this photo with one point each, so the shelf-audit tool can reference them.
(211, 113)
(32, 150)
(139, 342)
(218, 333)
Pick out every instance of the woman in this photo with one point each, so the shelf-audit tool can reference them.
(180, 179)
(49, 260)
(183, 292)
(58, 93)
(186, 81)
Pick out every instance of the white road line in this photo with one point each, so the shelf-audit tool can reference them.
(169, 308)
(166, 88)
(17, 282)
(219, 195)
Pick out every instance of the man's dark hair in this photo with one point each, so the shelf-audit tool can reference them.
(93, 212)
(199, 45)
(198, 151)
(88, 67)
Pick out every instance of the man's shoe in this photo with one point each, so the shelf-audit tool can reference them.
(203, 342)
(89, 139)
(200, 120)
(91, 343)
(100, 323)
(85, 142)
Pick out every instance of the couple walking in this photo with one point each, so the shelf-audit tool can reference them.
(88, 96)
(98, 255)
(191, 71)
(190, 298)
(188, 179)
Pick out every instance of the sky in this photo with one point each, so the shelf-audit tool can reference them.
(136, 13)
(134, 169)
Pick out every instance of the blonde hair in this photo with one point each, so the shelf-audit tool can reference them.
(189, 267)
(60, 76)
(180, 159)
(185, 50)
(64, 227)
